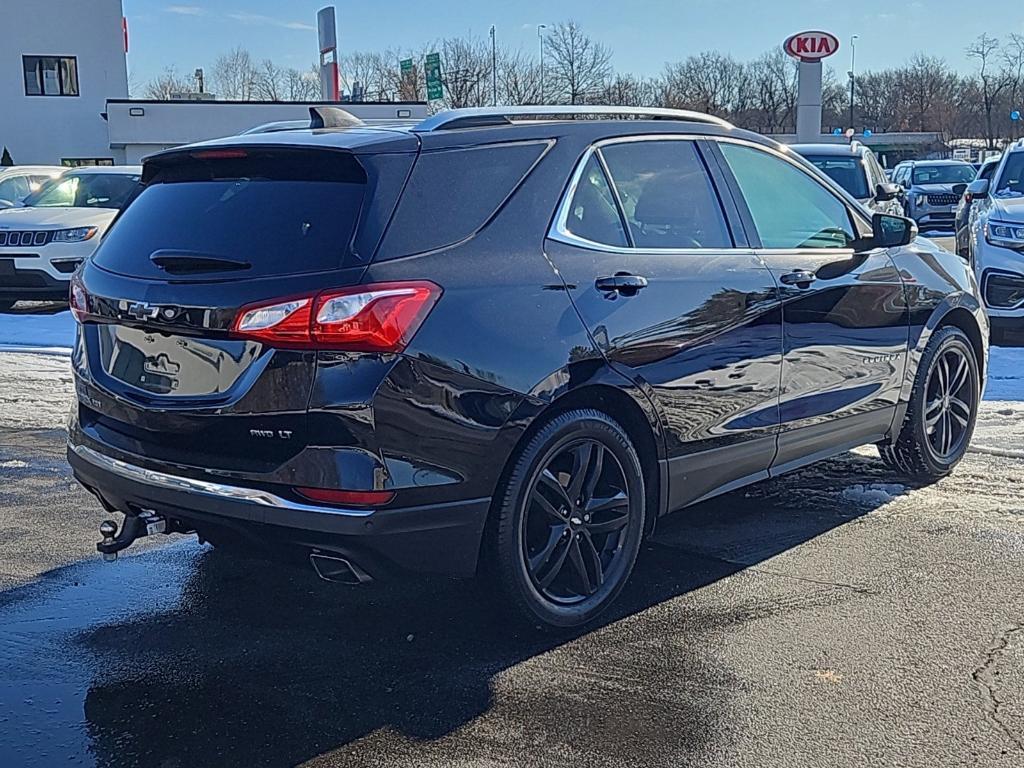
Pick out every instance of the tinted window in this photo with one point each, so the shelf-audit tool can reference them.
(790, 209)
(987, 170)
(666, 195)
(269, 214)
(847, 172)
(1011, 180)
(91, 190)
(943, 174)
(50, 75)
(453, 193)
(592, 212)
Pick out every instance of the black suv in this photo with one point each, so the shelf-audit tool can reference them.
(490, 343)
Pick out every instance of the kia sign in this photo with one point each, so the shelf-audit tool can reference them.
(811, 46)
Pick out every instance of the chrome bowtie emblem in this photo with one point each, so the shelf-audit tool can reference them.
(142, 311)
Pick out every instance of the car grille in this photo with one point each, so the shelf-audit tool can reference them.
(946, 198)
(22, 239)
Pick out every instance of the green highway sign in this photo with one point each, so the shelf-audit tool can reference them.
(406, 66)
(432, 68)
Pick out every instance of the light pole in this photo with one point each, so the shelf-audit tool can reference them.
(494, 68)
(540, 42)
(853, 72)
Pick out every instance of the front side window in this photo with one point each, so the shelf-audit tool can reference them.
(1011, 180)
(789, 208)
(99, 190)
(666, 195)
(50, 75)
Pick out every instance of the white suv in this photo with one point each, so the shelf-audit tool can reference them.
(46, 237)
(996, 242)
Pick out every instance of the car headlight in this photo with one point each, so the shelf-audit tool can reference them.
(921, 200)
(1005, 234)
(76, 235)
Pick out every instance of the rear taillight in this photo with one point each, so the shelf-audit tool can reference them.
(78, 300)
(382, 317)
(347, 498)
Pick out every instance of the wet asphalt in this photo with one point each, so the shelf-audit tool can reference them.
(828, 618)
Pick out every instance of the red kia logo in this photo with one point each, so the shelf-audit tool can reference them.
(811, 46)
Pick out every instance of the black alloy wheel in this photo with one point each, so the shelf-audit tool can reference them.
(575, 521)
(569, 520)
(949, 402)
(942, 411)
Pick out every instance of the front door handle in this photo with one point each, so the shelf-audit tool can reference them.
(801, 278)
(623, 282)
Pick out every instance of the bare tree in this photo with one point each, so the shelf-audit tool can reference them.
(629, 91)
(303, 85)
(162, 86)
(578, 65)
(992, 78)
(466, 71)
(235, 75)
(270, 82)
(518, 78)
(708, 82)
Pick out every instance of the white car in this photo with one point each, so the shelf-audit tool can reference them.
(19, 181)
(45, 238)
(996, 242)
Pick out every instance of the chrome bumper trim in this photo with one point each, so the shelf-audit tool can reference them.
(205, 487)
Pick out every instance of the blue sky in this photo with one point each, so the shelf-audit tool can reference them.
(644, 34)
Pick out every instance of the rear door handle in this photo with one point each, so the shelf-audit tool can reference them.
(623, 282)
(802, 278)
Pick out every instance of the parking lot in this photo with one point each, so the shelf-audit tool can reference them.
(832, 617)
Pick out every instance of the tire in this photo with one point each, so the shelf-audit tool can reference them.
(558, 565)
(938, 426)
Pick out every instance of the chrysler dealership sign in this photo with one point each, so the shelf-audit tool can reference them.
(811, 46)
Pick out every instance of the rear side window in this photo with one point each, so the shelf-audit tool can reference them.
(453, 193)
(789, 208)
(275, 215)
(666, 195)
(592, 212)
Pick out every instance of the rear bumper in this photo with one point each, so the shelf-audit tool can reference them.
(439, 538)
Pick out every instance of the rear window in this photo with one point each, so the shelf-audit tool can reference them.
(847, 172)
(272, 214)
(453, 193)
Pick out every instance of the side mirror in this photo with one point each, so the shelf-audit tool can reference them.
(959, 189)
(892, 231)
(886, 192)
(978, 189)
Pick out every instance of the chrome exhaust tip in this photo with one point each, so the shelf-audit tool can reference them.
(338, 569)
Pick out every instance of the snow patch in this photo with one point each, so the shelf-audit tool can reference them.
(13, 464)
(874, 493)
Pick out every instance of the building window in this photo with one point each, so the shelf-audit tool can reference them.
(50, 75)
(77, 162)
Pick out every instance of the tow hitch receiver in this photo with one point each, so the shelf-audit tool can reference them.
(145, 523)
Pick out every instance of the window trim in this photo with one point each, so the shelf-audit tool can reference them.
(59, 57)
(560, 232)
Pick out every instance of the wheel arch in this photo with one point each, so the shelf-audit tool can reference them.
(630, 409)
(961, 310)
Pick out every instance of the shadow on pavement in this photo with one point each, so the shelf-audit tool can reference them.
(183, 656)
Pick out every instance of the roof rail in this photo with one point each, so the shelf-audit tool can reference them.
(481, 117)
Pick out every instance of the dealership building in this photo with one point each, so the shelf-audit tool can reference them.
(64, 92)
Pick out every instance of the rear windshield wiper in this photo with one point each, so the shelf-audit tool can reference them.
(184, 262)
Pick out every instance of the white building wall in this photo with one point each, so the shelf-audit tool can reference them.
(138, 128)
(48, 129)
